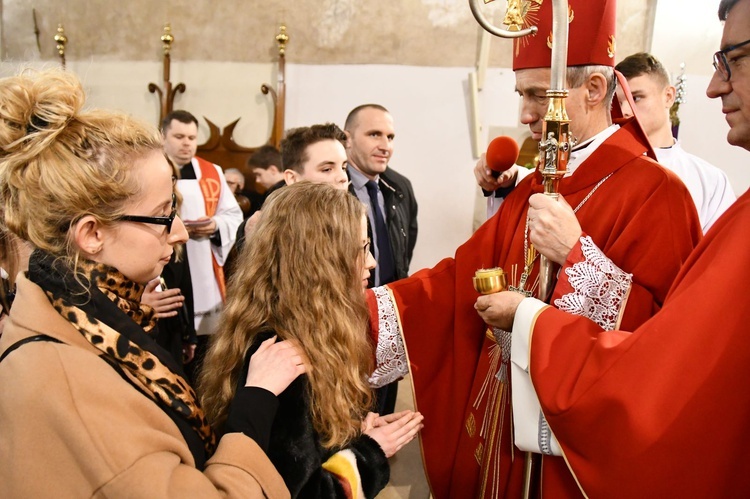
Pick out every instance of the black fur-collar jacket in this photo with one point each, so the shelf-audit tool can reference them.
(296, 452)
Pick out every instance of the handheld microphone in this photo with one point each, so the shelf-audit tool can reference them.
(502, 153)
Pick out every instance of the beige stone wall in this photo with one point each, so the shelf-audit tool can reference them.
(413, 56)
(408, 32)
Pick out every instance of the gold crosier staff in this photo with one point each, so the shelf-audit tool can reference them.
(555, 145)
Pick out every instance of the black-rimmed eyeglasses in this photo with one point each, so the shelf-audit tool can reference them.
(167, 221)
(721, 65)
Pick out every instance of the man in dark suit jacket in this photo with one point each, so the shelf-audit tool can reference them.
(392, 207)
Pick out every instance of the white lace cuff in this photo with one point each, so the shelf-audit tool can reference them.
(594, 287)
(390, 355)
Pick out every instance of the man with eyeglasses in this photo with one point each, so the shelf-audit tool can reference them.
(654, 95)
(662, 411)
(733, 60)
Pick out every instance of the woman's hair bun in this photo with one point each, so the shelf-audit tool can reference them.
(37, 108)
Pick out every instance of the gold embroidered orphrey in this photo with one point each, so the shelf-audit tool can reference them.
(494, 385)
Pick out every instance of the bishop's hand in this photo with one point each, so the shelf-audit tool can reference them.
(553, 227)
(499, 309)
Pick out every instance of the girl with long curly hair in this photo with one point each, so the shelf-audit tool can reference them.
(302, 278)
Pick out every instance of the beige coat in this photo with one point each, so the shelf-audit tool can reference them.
(70, 426)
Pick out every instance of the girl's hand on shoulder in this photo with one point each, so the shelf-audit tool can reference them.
(275, 365)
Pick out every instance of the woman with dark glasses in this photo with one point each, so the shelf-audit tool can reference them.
(91, 405)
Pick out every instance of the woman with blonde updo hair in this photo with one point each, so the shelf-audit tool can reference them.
(90, 404)
(302, 278)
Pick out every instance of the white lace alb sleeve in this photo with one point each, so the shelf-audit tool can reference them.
(390, 356)
(599, 288)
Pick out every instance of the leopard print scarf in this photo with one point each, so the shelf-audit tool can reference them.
(108, 313)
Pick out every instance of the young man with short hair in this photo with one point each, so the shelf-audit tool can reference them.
(654, 95)
(315, 153)
(266, 166)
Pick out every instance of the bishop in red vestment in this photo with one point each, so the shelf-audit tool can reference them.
(642, 219)
(638, 213)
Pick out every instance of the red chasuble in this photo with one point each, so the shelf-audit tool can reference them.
(642, 217)
(664, 411)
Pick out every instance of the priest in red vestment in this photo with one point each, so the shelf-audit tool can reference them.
(662, 411)
(639, 214)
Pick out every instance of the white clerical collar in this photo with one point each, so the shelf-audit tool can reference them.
(582, 151)
(674, 143)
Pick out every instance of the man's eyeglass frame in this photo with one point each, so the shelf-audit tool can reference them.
(721, 64)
